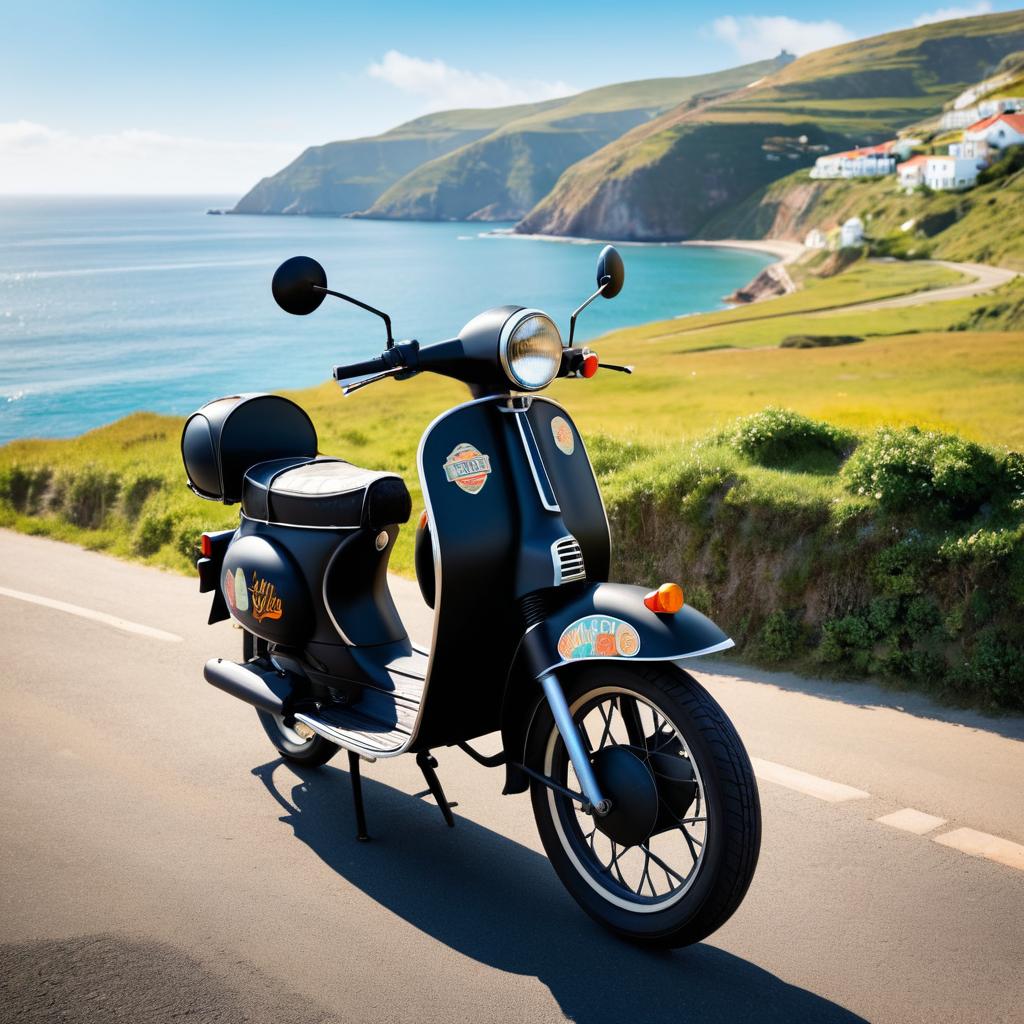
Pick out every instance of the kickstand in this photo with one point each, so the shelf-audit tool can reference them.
(357, 796)
(428, 763)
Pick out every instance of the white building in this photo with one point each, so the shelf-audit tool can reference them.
(942, 173)
(851, 233)
(816, 239)
(866, 162)
(997, 131)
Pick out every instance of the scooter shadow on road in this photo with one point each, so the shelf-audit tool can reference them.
(499, 903)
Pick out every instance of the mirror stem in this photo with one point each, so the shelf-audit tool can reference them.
(579, 309)
(369, 309)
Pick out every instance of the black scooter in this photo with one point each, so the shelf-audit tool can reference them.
(643, 794)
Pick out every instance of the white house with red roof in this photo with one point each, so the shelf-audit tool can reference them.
(939, 172)
(865, 162)
(997, 131)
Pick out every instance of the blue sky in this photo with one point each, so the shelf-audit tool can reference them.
(208, 97)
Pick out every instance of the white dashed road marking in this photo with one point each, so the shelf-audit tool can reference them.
(803, 782)
(87, 613)
(981, 844)
(911, 820)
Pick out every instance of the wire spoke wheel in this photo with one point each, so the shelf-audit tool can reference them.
(671, 869)
(654, 873)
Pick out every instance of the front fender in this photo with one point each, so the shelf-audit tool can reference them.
(609, 621)
(600, 621)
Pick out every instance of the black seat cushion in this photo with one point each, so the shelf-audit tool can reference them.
(324, 492)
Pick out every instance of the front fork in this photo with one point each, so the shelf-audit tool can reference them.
(573, 740)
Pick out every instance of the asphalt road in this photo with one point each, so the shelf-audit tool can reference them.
(159, 862)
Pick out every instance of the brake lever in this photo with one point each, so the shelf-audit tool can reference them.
(356, 385)
(615, 366)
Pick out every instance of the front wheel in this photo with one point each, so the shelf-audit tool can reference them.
(674, 859)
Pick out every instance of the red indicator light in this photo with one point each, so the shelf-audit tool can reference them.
(423, 519)
(590, 365)
(205, 546)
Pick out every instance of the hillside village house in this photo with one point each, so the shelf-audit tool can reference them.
(942, 173)
(866, 162)
(997, 132)
(964, 118)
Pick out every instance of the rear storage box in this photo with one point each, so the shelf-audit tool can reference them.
(227, 436)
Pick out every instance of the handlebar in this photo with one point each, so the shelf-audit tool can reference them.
(376, 365)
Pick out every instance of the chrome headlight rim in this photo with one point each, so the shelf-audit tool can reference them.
(508, 329)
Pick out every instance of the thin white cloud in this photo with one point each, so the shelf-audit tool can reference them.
(38, 158)
(756, 37)
(441, 86)
(952, 13)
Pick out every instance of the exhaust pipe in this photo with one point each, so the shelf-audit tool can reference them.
(263, 688)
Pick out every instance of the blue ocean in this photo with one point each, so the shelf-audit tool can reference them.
(111, 305)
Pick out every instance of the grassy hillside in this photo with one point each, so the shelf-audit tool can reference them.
(669, 178)
(984, 224)
(340, 177)
(820, 543)
(502, 175)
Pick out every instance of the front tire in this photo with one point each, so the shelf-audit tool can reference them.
(687, 878)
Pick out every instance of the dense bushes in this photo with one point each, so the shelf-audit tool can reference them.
(904, 562)
(780, 438)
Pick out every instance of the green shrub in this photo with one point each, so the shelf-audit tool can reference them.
(847, 640)
(24, 487)
(818, 340)
(85, 496)
(136, 491)
(911, 469)
(779, 639)
(154, 530)
(780, 438)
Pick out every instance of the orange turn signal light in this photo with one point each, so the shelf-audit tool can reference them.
(423, 519)
(666, 600)
(205, 546)
(590, 365)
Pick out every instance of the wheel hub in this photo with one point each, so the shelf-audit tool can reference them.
(628, 784)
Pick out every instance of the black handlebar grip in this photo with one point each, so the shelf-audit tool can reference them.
(377, 365)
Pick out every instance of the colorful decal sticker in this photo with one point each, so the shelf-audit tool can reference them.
(598, 636)
(467, 467)
(241, 591)
(265, 602)
(229, 589)
(565, 441)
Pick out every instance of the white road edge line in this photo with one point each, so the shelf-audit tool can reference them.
(909, 819)
(981, 844)
(87, 613)
(803, 782)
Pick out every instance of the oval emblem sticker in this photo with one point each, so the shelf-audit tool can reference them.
(598, 636)
(565, 441)
(467, 467)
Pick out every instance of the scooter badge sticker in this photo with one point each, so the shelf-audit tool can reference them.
(241, 591)
(565, 442)
(265, 602)
(598, 636)
(468, 468)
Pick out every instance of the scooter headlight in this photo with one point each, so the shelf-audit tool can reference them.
(530, 349)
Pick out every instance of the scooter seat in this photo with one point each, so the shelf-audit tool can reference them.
(324, 492)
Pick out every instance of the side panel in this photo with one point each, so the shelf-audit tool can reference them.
(572, 478)
(468, 485)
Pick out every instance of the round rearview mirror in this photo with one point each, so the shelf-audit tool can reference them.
(610, 272)
(296, 283)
